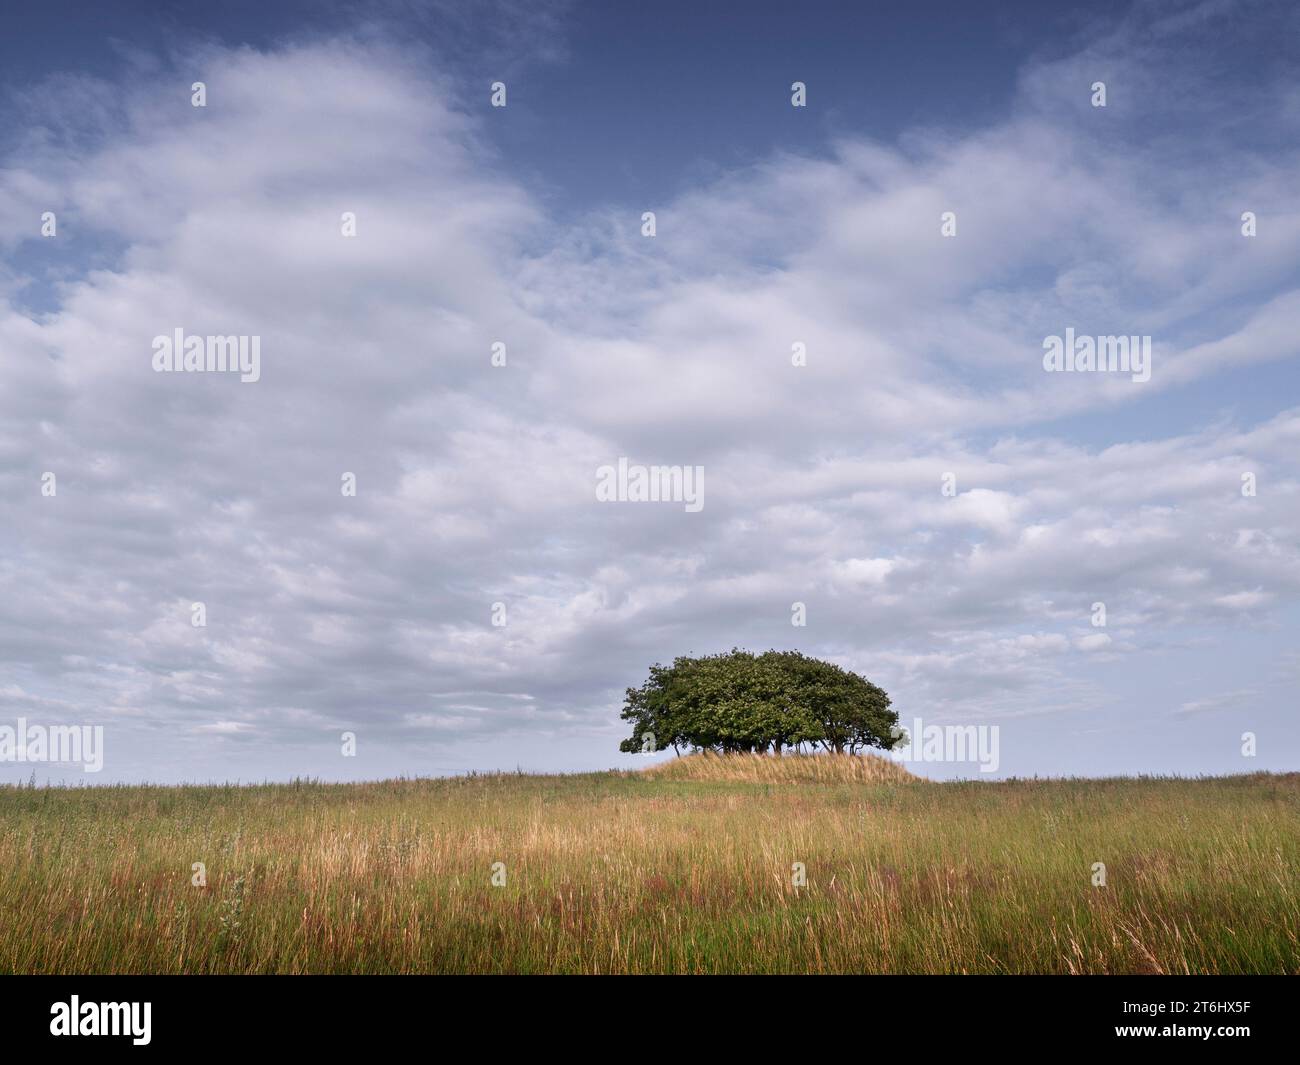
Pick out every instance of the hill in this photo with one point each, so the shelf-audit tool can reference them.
(787, 769)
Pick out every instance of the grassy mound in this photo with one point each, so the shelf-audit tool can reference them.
(783, 769)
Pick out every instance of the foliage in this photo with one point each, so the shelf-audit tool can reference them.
(741, 701)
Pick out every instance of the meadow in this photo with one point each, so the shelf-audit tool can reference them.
(689, 867)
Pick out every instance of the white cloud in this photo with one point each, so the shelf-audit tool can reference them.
(475, 483)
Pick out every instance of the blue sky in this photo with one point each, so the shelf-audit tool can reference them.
(522, 224)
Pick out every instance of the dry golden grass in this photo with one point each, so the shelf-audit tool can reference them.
(785, 769)
(663, 871)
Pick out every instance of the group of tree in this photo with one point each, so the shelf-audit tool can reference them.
(741, 701)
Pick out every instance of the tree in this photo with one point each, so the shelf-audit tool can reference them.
(846, 710)
(740, 701)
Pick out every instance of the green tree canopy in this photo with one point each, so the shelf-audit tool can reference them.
(741, 701)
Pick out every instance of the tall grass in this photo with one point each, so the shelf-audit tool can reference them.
(685, 868)
(786, 769)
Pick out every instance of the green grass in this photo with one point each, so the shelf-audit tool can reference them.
(681, 870)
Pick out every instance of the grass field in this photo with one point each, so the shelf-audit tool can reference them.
(684, 868)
